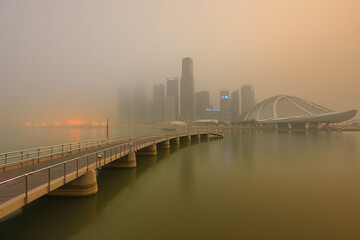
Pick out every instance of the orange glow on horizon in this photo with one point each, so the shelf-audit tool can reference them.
(95, 123)
(103, 124)
(75, 123)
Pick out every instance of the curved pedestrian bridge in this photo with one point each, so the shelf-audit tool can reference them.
(69, 169)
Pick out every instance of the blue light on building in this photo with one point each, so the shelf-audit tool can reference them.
(213, 109)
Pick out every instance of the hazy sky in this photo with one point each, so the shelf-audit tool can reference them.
(67, 59)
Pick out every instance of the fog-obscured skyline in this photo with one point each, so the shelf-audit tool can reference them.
(68, 60)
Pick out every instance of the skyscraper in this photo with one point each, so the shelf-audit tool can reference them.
(247, 98)
(202, 102)
(134, 105)
(158, 108)
(170, 114)
(225, 106)
(172, 90)
(235, 104)
(187, 90)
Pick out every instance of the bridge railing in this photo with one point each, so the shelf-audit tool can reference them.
(43, 179)
(26, 187)
(50, 152)
(32, 154)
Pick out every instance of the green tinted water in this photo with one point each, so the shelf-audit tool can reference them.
(251, 185)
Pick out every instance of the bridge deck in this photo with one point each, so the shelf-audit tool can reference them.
(25, 184)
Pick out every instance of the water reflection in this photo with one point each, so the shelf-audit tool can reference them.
(251, 185)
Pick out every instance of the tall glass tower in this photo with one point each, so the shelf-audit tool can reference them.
(187, 103)
(172, 90)
(247, 98)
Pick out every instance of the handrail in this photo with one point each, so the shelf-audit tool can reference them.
(32, 154)
(37, 153)
(83, 164)
(97, 152)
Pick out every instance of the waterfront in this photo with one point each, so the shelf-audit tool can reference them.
(251, 185)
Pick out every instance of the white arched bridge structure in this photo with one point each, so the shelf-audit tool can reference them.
(69, 169)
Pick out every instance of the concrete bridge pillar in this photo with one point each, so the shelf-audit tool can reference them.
(175, 141)
(148, 151)
(205, 136)
(185, 139)
(128, 161)
(85, 185)
(164, 144)
(196, 137)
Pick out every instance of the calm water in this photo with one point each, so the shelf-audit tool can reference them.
(251, 185)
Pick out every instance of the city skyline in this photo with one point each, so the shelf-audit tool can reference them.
(279, 47)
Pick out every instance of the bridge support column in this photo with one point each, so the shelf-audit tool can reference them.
(205, 136)
(148, 151)
(175, 141)
(128, 161)
(196, 137)
(164, 145)
(85, 185)
(185, 139)
(307, 125)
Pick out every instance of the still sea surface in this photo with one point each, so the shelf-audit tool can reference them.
(249, 185)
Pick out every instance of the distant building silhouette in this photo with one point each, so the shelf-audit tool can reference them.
(225, 106)
(172, 90)
(158, 107)
(247, 98)
(202, 102)
(187, 90)
(235, 106)
(213, 113)
(134, 105)
(170, 109)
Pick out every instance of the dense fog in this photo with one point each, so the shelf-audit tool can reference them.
(76, 62)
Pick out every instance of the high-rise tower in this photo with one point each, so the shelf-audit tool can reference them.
(235, 105)
(247, 98)
(187, 104)
(172, 90)
(225, 106)
(202, 102)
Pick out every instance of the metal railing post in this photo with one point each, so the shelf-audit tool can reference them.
(87, 162)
